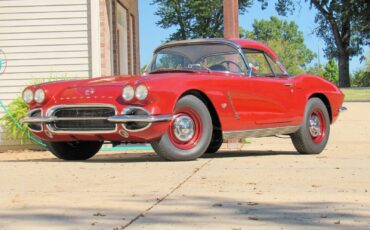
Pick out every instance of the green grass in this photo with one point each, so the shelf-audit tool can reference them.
(356, 94)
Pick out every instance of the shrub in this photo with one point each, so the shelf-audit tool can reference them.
(331, 71)
(17, 110)
(361, 79)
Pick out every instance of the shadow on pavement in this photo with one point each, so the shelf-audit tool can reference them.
(295, 215)
(251, 153)
(152, 157)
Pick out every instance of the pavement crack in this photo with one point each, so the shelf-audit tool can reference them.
(196, 170)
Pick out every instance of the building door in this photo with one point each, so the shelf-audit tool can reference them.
(122, 43)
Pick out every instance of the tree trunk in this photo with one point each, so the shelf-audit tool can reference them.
(343, 64)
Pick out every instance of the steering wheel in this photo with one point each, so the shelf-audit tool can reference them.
(231, 62)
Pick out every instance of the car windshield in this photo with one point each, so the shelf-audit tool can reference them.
(207, 57)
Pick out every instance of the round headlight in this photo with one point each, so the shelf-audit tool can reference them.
(141, 92)
(27, 96)
(128, 93)
(39, 96)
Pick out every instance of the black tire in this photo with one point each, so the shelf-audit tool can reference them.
(166, 148)
(303, 140)
(74, 151)
(216, 142)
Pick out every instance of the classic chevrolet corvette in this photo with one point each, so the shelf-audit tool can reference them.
(193, 95)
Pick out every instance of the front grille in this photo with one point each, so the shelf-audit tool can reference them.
(85, 112)
(84, 125)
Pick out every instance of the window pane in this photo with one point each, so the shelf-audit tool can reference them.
(275, 67)
(225, 62)
(258, 64)
(213, 57)
(169, 61)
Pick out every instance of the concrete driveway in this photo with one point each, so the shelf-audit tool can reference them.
(266, 186)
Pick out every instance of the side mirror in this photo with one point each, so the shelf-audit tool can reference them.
(254, 66)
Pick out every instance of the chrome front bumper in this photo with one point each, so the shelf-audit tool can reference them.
(91, 119)
(113, 119)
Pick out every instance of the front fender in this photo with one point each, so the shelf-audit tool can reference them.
(165, 93)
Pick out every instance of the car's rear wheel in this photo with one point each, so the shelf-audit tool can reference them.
(73, 151)
(313, 135)
(189, 133)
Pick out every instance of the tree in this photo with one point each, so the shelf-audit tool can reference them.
(316, 69)
(194, 19)
(285, 39)
(361, 78)
(344, 26)
(331, 71)
(142, 69)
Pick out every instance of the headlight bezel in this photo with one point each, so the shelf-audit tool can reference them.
(141, 92)
(30, 97)
(37, 93)
(128, 93)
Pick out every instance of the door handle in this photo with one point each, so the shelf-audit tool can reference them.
(289, 84)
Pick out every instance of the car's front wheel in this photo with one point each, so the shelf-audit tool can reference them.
(313, 135)
(74, 151)
(216, 142)
(189, 133)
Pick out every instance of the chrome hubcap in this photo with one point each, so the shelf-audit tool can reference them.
(314, 126)
(183, 128)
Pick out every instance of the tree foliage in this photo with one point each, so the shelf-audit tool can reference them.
(285, 39)
(342, 24)
(331, 71)
(194, 19)
(361, 78)
(316, 69)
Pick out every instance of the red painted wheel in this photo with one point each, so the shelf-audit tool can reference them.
(189, 133)
(185, 129)
(313, 135)
(317, 126)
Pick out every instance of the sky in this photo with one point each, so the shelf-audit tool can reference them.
(151, 35)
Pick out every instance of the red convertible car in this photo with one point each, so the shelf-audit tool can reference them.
(193, 95)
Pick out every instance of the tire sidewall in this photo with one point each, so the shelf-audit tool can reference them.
(174, 153)
(314, 104)
(67, 150)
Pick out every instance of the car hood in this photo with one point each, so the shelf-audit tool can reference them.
(95, 90)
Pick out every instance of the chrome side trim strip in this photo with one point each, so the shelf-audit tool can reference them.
(260, 132)
(236, 115)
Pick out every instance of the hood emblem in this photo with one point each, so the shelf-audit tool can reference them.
(89, 92)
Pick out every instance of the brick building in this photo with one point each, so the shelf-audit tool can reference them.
(69, 39)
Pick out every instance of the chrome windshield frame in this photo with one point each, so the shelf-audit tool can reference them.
(230, 43)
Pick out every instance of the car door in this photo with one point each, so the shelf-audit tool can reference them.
(263, 99)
